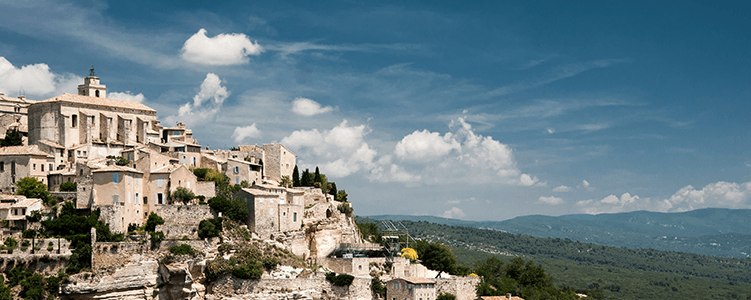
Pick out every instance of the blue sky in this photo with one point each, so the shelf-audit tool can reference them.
(481, 110)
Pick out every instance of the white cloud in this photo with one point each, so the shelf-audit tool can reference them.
(221, 50)
(127, 96)
(719, 194)
(562, 188)
(35, 81)
(307, 107)
(425, 146)
(551, 130)
(241, 133)
(454, 213)
(585, 184)
(340, 151)
(551, 200)
(202, 109)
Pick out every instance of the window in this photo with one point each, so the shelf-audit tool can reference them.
(2, 166)
(145, 200)
(159, 182)
(194, 161)
(237, 169)
(115, 178)
(42, 165)
(115, 199)
(128, 177)
(34, 167)
(49, 168)
(188, 184)
(74, 121)
(135, 199)
(159, 198)
(294, 217)
(185, 160)
(237, 180)
(175, 133)
(96, 93)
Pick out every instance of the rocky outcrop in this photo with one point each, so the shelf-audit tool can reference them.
(133, 281)
(326, 228)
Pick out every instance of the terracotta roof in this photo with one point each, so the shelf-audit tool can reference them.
(51, 144)
(23, 150)
(256, 192)
(167, 168)
(80, 99)
(16, 99)
(417, 280)
(116, 168)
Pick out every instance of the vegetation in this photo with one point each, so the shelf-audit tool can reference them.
(33, 188)
(341, 196)
(183, 249)
(152, 221)
(446, 296)
(409, 253)
(33, 286)
(339, 280)
(68, 186)
(183, 195)
(346, 209)
(610, 272)
(209, 228)
(370, 232)
(249, 260)
(234, 209)
(518, 278)
(12, 138)
(439, 257)
(206, 174)
(77, 229)
(120, 161)
(377, 287)
(295, 177)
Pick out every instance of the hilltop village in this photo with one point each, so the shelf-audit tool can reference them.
(165, 218)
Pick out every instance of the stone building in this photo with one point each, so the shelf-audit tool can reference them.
(118, 191)
(17, 162)
(273, 160)
(90, 118)
(272, 209)
(278, 161)
(240, 170)
(411, 288)
(14, 113)
(15, 208)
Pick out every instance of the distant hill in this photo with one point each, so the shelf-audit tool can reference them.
(710, 231)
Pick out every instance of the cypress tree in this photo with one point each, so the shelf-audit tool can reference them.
(306, 180)
(295, 177)
(317, 177)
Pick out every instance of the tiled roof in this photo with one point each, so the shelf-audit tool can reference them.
(167, 168)
(16, 99)
(417, 280)
(51, 144)
(23, 150)
(256, 192)
(80, 99)
(116, 168)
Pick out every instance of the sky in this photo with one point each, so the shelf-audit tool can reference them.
(482, 110)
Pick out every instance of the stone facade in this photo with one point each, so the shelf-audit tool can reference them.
(121, 187)
(464, 288)
(17, 162)
(411, 288)
(182, 220)
(269, 210)
(278, 161)
(240, 170)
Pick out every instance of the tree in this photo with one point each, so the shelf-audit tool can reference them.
(209, 228)
(409, 253)
(332, 188)
(33, 188)
(285, 182)
(235, 209)
(307, 178)
(12, 138)
(317, 176)
(446, 296)
(68, 186)
(295, 177)
(152, 221)
(341, 196)
(183, 195)
(436, 256)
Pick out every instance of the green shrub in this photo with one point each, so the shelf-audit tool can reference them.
(183, 195)
(251, 269)
(235, 210)
(152, 221)
(68, 186)
(10, 244)
(376, 286)
(209, 228)
(156, 237)
(29, 233)
(339, 280)
(345, 209)
(269, 263)
(33, 287)
(446, 296)
(183, 249)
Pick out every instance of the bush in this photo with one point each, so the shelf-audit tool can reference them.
(251, 269)
(209, 228)
(446, 296)
(33, 287)
(235, 210)
(376, 286)
(68, 186)
(183, 249)
(339, 280)
(152, 221)
(345, 209)
(29, 233)
(183, 195)
(156, 237)
(10, 244)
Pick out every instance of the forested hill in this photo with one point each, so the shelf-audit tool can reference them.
(711, 231)
(620, 273)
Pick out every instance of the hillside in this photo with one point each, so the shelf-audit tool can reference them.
(620, 272)
(711, 231)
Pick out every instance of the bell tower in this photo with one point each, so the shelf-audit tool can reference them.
(91, 86)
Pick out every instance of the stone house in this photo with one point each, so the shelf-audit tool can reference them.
(15, 208)
(167, 179)
(278, 161)
(239, 170)
(57, 177)
(272, 210)
(14, 113)
(118, 190)
(411, 288)
(17, 162)
(57, 151)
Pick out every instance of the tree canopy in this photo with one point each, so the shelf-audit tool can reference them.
(12, 138)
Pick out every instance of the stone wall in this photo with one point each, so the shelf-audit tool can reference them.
(358, 266)
(313, 196)
(205, 188)
(85, 186)
(182, 220)
(282, 289)
(464, 288)
(45, 264)
(117, 254)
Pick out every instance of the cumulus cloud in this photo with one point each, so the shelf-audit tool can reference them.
(342, 150)
(35, 81)
(126, 96)
(585, 184)
(562, 188)
(719, 194)
(551, 200)
(241, 133)
(307, 107)
(206, 103)
(454, 213)
(425, 146)
(221, 50)
(460, 155)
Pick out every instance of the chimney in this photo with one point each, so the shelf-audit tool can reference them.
(508, 296)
